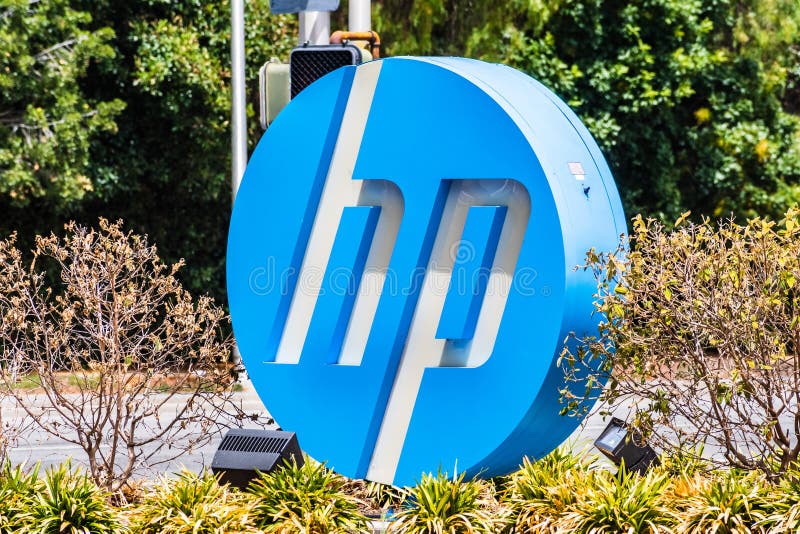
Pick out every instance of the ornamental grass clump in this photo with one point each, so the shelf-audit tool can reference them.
(684, 463)
(17, 489)
(305, 499)
(784, 505)
(626, 502)
(440, 504)
(66, 502)
(730, 502)
(191, 504)
(542, 490)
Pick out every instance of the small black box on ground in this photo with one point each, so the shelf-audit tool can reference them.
(244, 451)
(619, 445)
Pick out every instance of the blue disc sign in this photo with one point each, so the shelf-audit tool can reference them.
(401, 265)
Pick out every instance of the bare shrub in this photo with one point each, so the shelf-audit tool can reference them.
(129, 365)
(13, 422)
(702, 338)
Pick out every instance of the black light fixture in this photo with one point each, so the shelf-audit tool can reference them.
(622, 445)
(244, 452)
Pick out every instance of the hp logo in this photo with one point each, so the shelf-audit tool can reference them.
(400, 265)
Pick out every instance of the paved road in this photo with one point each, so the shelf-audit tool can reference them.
(38, 446)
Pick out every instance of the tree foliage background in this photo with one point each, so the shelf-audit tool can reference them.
(120, 109)
(693, 102)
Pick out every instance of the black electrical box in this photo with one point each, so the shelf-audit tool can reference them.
(243, 452)
(308, 63)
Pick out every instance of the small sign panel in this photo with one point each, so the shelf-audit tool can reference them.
(296, 6)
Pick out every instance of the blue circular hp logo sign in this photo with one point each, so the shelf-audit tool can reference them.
(401, 265)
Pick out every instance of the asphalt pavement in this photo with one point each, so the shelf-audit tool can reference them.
(38, 446)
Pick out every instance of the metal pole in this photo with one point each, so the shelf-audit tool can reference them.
(359, 17)
(315, 27)
(238, 103)
(238, 113)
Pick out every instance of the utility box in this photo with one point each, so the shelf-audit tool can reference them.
(244, 452)
(308, 63)
(279, 82)
(273, 90)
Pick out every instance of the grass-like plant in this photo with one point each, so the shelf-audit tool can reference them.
(376, 499)
(783, 500)
(307, 499)
(684, 463)
(540, 491)
(17, 488)
(729, 503)
(384, 495)
(440, 504)
(626, 502)
(782, 513)
(191, 504)
(67, 502)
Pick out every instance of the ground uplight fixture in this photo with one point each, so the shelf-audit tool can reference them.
(621, 445)
(244, 453)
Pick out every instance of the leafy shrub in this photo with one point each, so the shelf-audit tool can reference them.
(191, 504)
(626, 502)
(541, 491)
(702, 328)
(728, 503)
(307, 499)
(440, 504)
(67, 502)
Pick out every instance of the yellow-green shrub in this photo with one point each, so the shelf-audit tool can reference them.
(67, 501)
(191, 504)
(625, 502)
(306, 499)
(730, 502)
(440, 504)
(542, 490)
(702, 328)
